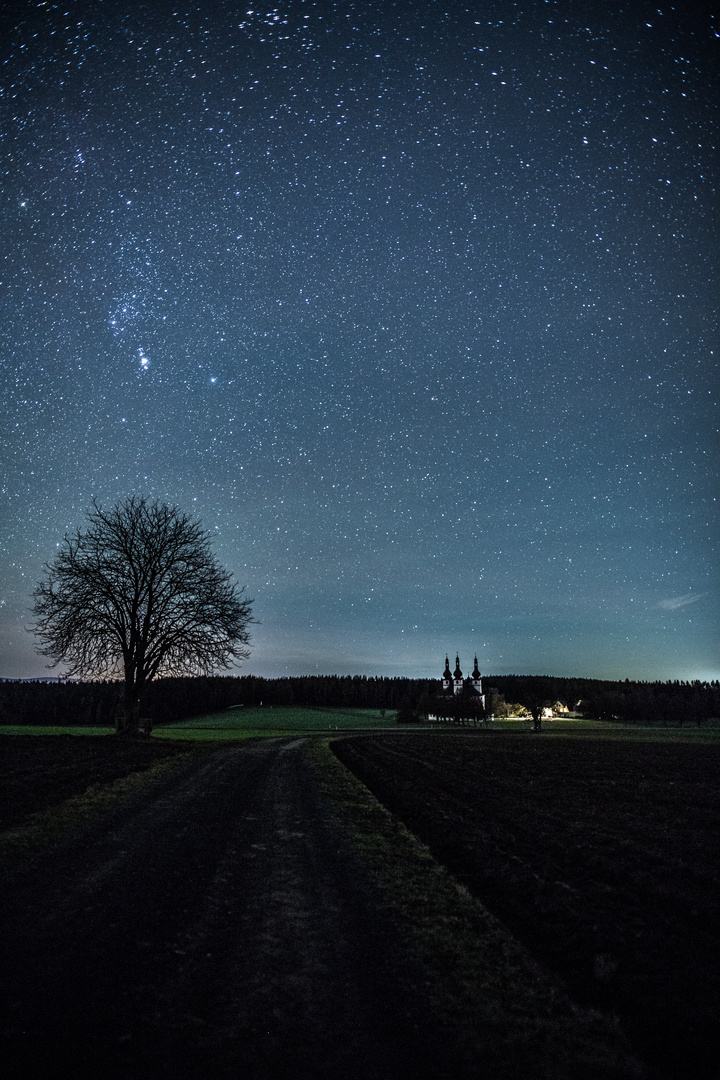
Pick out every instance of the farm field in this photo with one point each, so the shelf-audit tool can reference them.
(41, 766)
(221, 921)
(240, 723)
(602, 856)
(596, 845)
(250, 721)
(39, 771)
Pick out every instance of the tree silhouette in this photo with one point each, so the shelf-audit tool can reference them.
(137, 595)
(535, 692)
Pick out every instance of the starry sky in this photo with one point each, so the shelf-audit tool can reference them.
(413, 304)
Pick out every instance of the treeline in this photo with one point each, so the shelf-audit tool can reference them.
(666, 703)
(167, 700)
(670, 703)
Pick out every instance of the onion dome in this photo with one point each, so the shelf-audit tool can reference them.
(447, 674)
(457, 672)
(476, 670)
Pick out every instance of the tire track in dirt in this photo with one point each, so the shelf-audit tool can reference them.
(217, 926)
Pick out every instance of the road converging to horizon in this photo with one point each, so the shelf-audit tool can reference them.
(216, 925)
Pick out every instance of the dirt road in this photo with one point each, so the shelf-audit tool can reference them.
(216, 926)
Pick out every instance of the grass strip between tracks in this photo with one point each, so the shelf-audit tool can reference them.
(47, 826)
(505, 1015)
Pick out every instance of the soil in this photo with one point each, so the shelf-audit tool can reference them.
(39, 771)
(215, 924)
(603, 857)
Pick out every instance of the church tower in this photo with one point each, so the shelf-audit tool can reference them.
(458, 677)
(477, 681)
(447, 677)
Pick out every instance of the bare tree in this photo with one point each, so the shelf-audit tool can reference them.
(137, 595)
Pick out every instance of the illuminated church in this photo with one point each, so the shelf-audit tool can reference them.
(454, 683)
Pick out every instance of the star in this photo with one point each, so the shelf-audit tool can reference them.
(435, 330)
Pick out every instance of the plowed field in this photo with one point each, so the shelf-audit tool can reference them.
(39, 771)
(603, 857)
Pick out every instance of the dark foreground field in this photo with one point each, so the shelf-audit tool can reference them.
(213, 925)
(227, 915)
(38, 771)
(603, 857)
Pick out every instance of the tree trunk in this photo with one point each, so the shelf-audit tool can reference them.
(129, 718)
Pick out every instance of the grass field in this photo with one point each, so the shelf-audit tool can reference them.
(241, 723)
(42, 729)
(252, 722)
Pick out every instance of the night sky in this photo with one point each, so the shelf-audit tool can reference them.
(413, 304)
